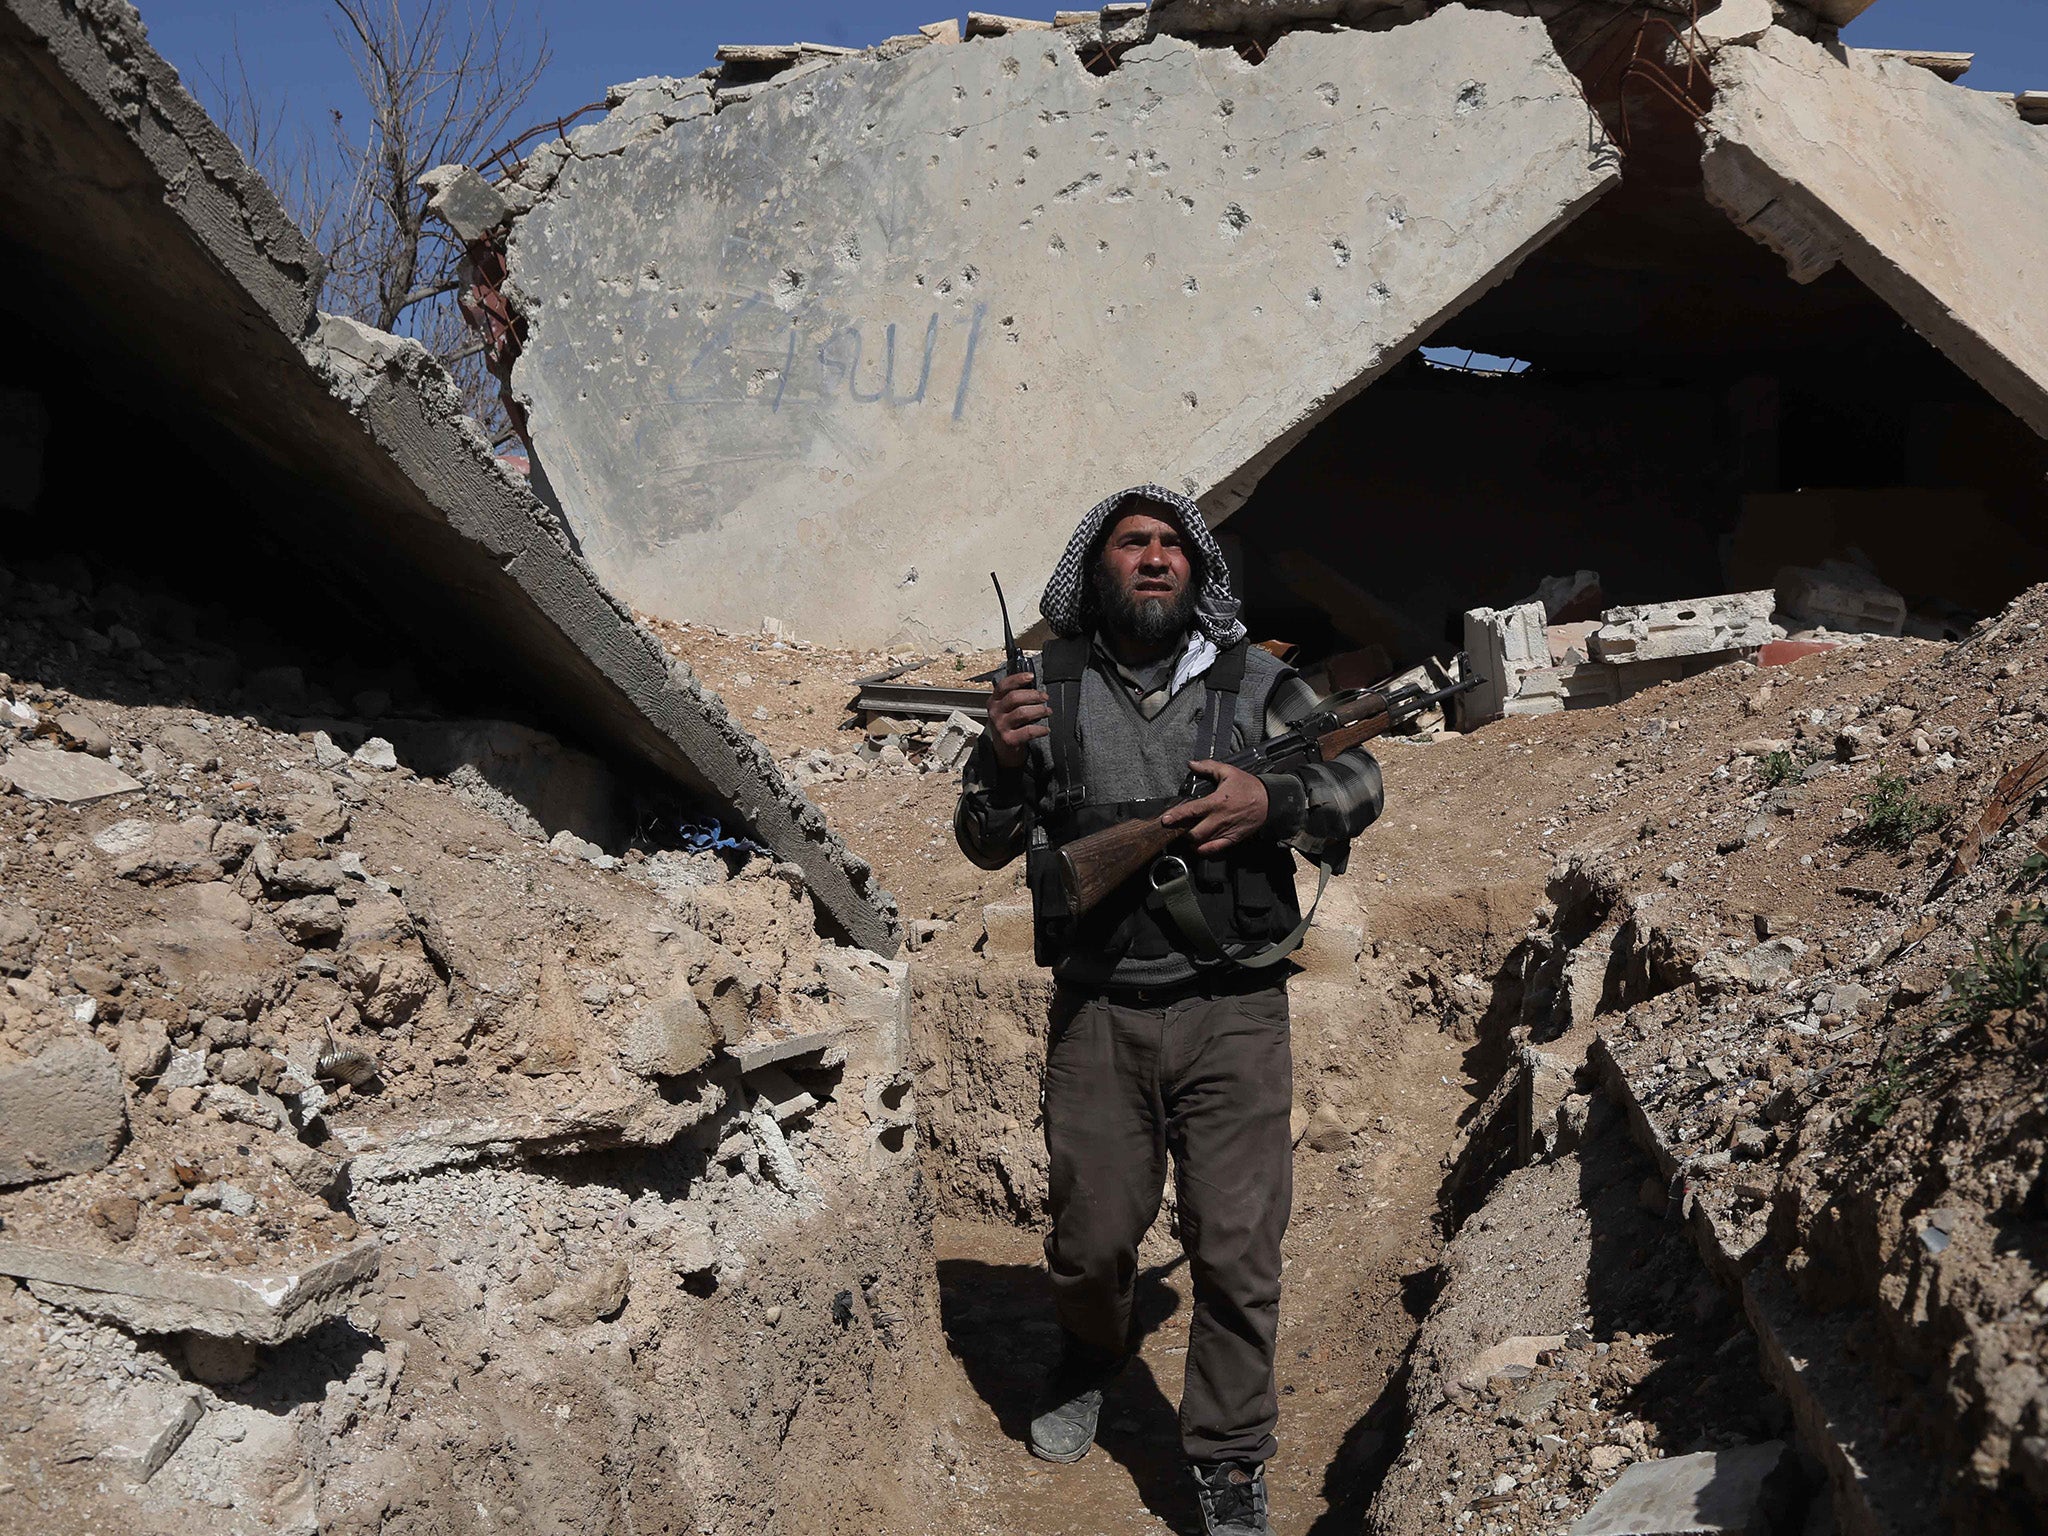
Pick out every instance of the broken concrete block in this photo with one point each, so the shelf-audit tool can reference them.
(956, 742)
(779, 1091)
(1521, 1350)
(947, 31)
(1843, 597)
(140, 1429)
(668, 1038)
(589, 1298)
(261, 1308)
(1504, 645)
(69, 778)
(61, 1112)
(464, 201)
(174, 852)
(1712, 1493)
(986, 24)
(782, 1042)
(1734, 22)
(1569, 599)
(1007, 931)
(1735, 621)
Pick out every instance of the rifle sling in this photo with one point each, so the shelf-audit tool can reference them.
(1177, 896)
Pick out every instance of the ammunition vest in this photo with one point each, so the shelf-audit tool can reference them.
(1102, 747)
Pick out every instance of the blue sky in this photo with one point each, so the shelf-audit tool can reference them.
(292, 55)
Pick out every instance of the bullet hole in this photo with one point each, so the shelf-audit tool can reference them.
(1341, 251)
(1187, 399)
(1102, 247)
(761, 378)
(1031, 153)
(1314, 152)
(1190, 287)
(1328, 91)
(1056, 246)
(1187, 204)
(1010, 68)
(1471, 97)
(1315, 298)
(1120, 195)
(785, 288)
(1225, 107)
(1233, 222)
(1396, 216)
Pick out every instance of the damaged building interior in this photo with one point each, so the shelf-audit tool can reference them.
(497, 1034)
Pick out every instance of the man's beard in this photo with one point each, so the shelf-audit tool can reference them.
(1149, 621)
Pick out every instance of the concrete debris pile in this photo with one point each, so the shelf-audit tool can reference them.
(1535, 665)
(1799, 988)
(280, 1015)
(195, 317)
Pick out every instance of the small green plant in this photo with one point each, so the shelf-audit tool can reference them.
(1885, 1092)
(2008, 970)
(1893, 815)
(1779, 768)
(2033, 871)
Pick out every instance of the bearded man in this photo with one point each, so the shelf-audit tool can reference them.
(1169, 1027)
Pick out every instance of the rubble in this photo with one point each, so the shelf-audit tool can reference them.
(264, 1308)
(466, 559)
(61, 1111)
(1740, 621)
(1711, 1492)
(1841, 597)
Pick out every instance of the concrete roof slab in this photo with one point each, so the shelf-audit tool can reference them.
(130, 214)
(865, 339)
(1935, 196)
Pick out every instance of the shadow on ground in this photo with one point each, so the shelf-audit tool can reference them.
(999, 1324)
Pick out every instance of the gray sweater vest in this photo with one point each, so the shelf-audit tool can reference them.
(1124, 756)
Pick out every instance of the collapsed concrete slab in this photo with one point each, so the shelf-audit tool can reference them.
(1908, 181)
(135, 236)
(156, 1298)
(773, 344)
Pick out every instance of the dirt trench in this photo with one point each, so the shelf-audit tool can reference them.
(1393, 1055)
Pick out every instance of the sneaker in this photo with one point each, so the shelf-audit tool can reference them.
(1233, 1497)
(1064, 1427)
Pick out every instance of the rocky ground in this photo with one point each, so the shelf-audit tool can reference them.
(1656, 1094)
(1716, 898)
(371, 1154)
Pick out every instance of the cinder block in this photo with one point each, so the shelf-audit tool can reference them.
(61, 1112)
(1006, 931)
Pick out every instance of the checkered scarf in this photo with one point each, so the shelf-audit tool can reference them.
(1069, 600)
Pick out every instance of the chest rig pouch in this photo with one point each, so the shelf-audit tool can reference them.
(1218, 909)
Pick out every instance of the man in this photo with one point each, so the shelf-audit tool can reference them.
(1169, 1028)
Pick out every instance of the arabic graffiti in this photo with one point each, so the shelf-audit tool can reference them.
(843, 366)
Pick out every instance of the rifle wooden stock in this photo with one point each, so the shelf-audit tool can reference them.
(1345, 737)
(1093, 866)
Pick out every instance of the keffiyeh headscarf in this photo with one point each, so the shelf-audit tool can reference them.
(1066, 602)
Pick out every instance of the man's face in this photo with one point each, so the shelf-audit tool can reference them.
(1143, 578)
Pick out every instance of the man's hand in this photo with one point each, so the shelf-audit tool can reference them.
(1226, 816)
(1016, 717)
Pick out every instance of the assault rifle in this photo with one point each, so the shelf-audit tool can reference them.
(1093, 866)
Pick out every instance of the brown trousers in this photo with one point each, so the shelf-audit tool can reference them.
(1211, 1081)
